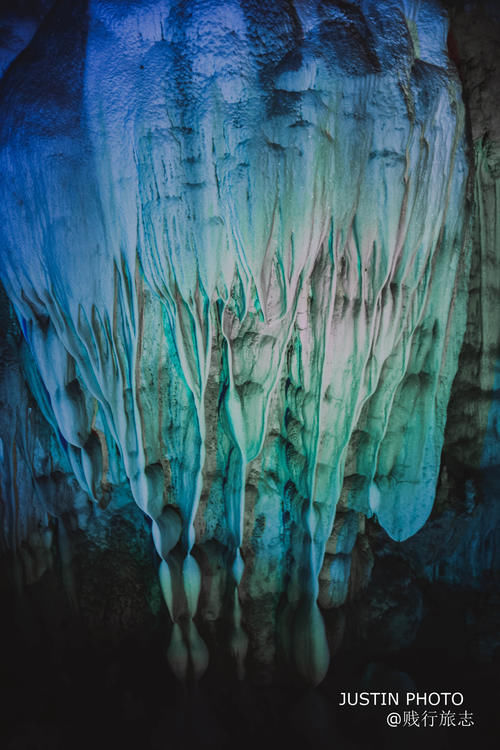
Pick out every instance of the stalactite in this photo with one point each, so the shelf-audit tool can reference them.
(238, 249)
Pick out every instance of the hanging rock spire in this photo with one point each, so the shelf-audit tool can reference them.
(235, 235)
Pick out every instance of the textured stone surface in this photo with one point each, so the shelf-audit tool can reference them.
(243, 282)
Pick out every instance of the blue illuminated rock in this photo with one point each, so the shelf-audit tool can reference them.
(236, 238)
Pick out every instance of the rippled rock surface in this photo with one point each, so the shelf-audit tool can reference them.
(236, 238)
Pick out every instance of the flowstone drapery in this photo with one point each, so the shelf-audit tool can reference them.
(235, 236)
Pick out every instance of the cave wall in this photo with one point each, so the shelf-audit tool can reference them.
(129, 379)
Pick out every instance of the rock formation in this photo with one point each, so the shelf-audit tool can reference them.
(237, 238)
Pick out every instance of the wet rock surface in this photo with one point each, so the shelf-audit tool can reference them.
(86, 629)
